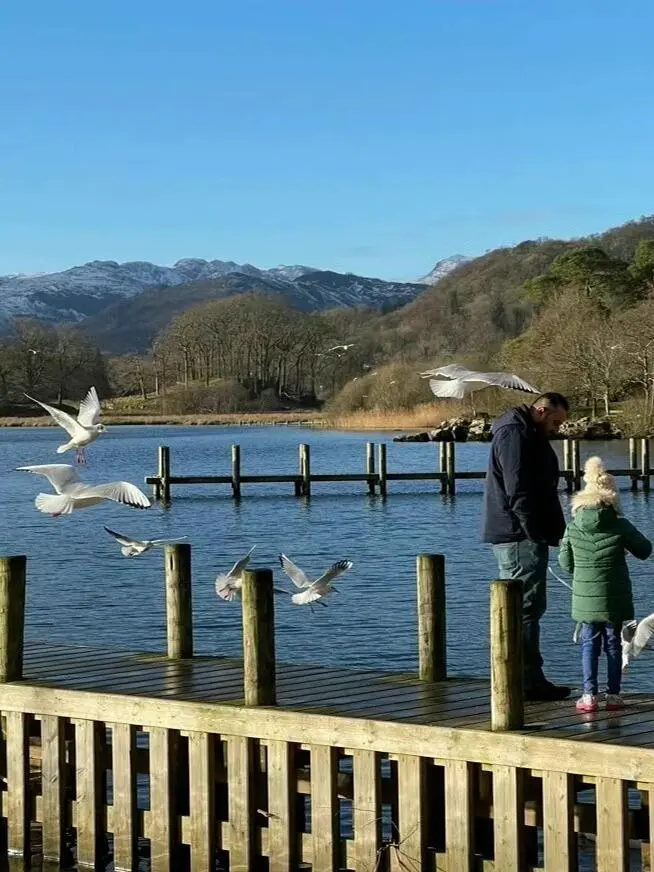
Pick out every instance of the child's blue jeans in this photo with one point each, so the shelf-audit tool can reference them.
(592, 636)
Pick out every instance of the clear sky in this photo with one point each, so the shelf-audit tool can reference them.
(371, 136)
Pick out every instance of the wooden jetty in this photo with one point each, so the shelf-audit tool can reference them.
(377, 476)
(190, 761)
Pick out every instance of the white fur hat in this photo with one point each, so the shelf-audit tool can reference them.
(600, 488)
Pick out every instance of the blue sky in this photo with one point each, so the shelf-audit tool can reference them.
(371, 137)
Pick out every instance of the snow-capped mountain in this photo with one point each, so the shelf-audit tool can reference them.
(443, 267)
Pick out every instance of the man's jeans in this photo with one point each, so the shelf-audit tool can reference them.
(592, 636)
(527, 561)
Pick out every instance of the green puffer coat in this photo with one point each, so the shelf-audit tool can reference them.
(593, 550)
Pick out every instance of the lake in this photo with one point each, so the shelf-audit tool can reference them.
(81, 588)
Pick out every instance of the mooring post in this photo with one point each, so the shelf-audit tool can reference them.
(370, 466)
(259, 637)
(164, 473)
(451, 467)
(576, 464)
(12, 617)
(236, 471)
(633, 462)
(507, 698)
(644, 463)
(442, 451)
(305, 469)
(179, 610)
(382, 468)
(432, 634)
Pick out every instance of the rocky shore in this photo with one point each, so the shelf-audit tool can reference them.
(479, 430)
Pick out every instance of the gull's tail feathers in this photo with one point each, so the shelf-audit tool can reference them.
(54, 504)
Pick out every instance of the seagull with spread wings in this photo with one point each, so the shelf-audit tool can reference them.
(635, 637)
(135, 547)
(71, 493)
(313, 591)
(460, 382)
(82, 431)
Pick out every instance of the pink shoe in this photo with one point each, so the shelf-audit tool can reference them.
(587, 703)
(614, 702)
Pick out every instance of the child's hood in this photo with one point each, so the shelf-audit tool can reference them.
(596, 519)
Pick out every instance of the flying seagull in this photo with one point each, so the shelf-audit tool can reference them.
(230, 586)
(82, 431)
(72, 493)
(635, 637)
(460, 382)
(134, 547)
(312, 591)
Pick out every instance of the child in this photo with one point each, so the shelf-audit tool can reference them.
(593, 550)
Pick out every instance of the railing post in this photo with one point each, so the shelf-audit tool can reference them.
(432, 634)
(633, 462)
(576, 464)
(236, 471)
(442, 451)
(507, 696)
(644, 463)
(382, 468)
(567, 464)
(164, 473)
(451, 467)
(179, 611)
(259, 637)
(370, 466)
(305, 469)
(12, 617)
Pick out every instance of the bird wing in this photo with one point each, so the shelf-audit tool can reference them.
(64, 420)
(89, 409)
(123, 539)
(643, 634)
(240, 565)
(119, 492)
(454, 388)
(227, 588)
(60, 475)
(452, 370)
(502, 380)
(334, 570)
(296, 575)
(167, 541)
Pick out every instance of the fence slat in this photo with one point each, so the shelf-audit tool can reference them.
(411, 838)
(558, 822)
(366, 809)
(282, 781)
(123, 748)
(202, 775)
(508, 818)
(163, 835)
(89, 777)
(53, 785)
(459, 811)
(325, 814)
(612, 829)
(240, 774)
(18, 798)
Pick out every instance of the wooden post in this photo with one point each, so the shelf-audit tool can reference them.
(259, 637)
(164, 473)
(576, 464)
(179, 612)
(12, 617)
(382, 468)
(451, 467)
(633, 462)
(236, 471)
(442, 446)
(432, 635)
(370, 466)
(305, 469)
(644, 463)
(507, 699)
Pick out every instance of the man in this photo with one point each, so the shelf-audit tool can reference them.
(523, 517)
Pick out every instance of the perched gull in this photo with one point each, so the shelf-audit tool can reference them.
(635, 637)
(460, 382)
(82, 431)
(312, 590)
(134, 547)
(72, 493)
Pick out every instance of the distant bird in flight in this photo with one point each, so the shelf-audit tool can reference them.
(313, 591)
(82, 431)
(134, 547)
(72, 493)
(230, 585)
(460, 382)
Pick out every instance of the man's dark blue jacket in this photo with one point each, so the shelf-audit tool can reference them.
(521, 499)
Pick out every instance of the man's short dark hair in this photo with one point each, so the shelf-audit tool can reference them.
(552, 400)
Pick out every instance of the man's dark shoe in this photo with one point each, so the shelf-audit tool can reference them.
(547, 692)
